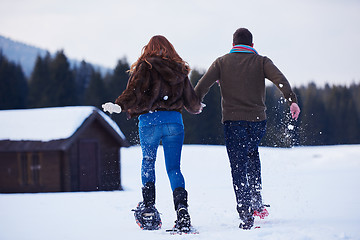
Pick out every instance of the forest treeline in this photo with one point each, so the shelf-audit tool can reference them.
(330, 114)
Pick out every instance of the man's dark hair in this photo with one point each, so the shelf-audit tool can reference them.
(242, 36)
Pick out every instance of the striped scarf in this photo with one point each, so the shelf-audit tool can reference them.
(243, 48)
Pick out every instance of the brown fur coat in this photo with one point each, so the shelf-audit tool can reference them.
(161, 86)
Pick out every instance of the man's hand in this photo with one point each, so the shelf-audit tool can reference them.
(295, 110)
(111, 107)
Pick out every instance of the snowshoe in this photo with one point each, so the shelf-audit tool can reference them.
(147, 217)
(247, 225)
(261, 214)
(183, 223)
(176, 231)
(246, 217)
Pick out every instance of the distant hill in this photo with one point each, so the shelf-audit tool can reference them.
(26, 55)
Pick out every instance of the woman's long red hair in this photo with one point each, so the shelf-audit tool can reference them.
(159, 46)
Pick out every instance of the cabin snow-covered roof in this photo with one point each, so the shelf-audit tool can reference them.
(47, 124)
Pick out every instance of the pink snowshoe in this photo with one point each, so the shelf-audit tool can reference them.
(263, 214)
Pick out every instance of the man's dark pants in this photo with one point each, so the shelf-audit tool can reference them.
(242, 139)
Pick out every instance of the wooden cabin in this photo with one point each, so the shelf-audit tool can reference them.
(63, 149)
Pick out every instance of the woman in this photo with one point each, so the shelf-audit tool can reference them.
(157, 91)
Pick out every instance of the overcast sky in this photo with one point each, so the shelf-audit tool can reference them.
(309, 40)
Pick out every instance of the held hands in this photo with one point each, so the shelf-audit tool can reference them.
(202, 106)
(295, 110)
(199, 111)
(111, 107)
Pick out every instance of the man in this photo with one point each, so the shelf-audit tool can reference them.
(241, 75)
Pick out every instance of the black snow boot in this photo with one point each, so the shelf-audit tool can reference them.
(246, 216)
(183, 223)
(146, 214)
(256, 201)
(148, 192)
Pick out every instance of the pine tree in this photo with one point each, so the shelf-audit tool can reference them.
(40, 82)
(343, 123)
(20, 90)
(205, 128)
(95, 94)
(62, 90)
(277, 131)
(351, 120)
(115, 84)
(355, 96)
(313, 116)
(83, 75)
(119, 79)
(13, 85)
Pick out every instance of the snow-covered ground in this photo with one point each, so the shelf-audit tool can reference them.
(313, 191)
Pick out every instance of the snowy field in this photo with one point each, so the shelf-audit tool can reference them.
(313, 191)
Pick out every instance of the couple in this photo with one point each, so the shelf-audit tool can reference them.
(158, 89)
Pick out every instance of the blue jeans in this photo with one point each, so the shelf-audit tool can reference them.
(242, 139)
(172, 137)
